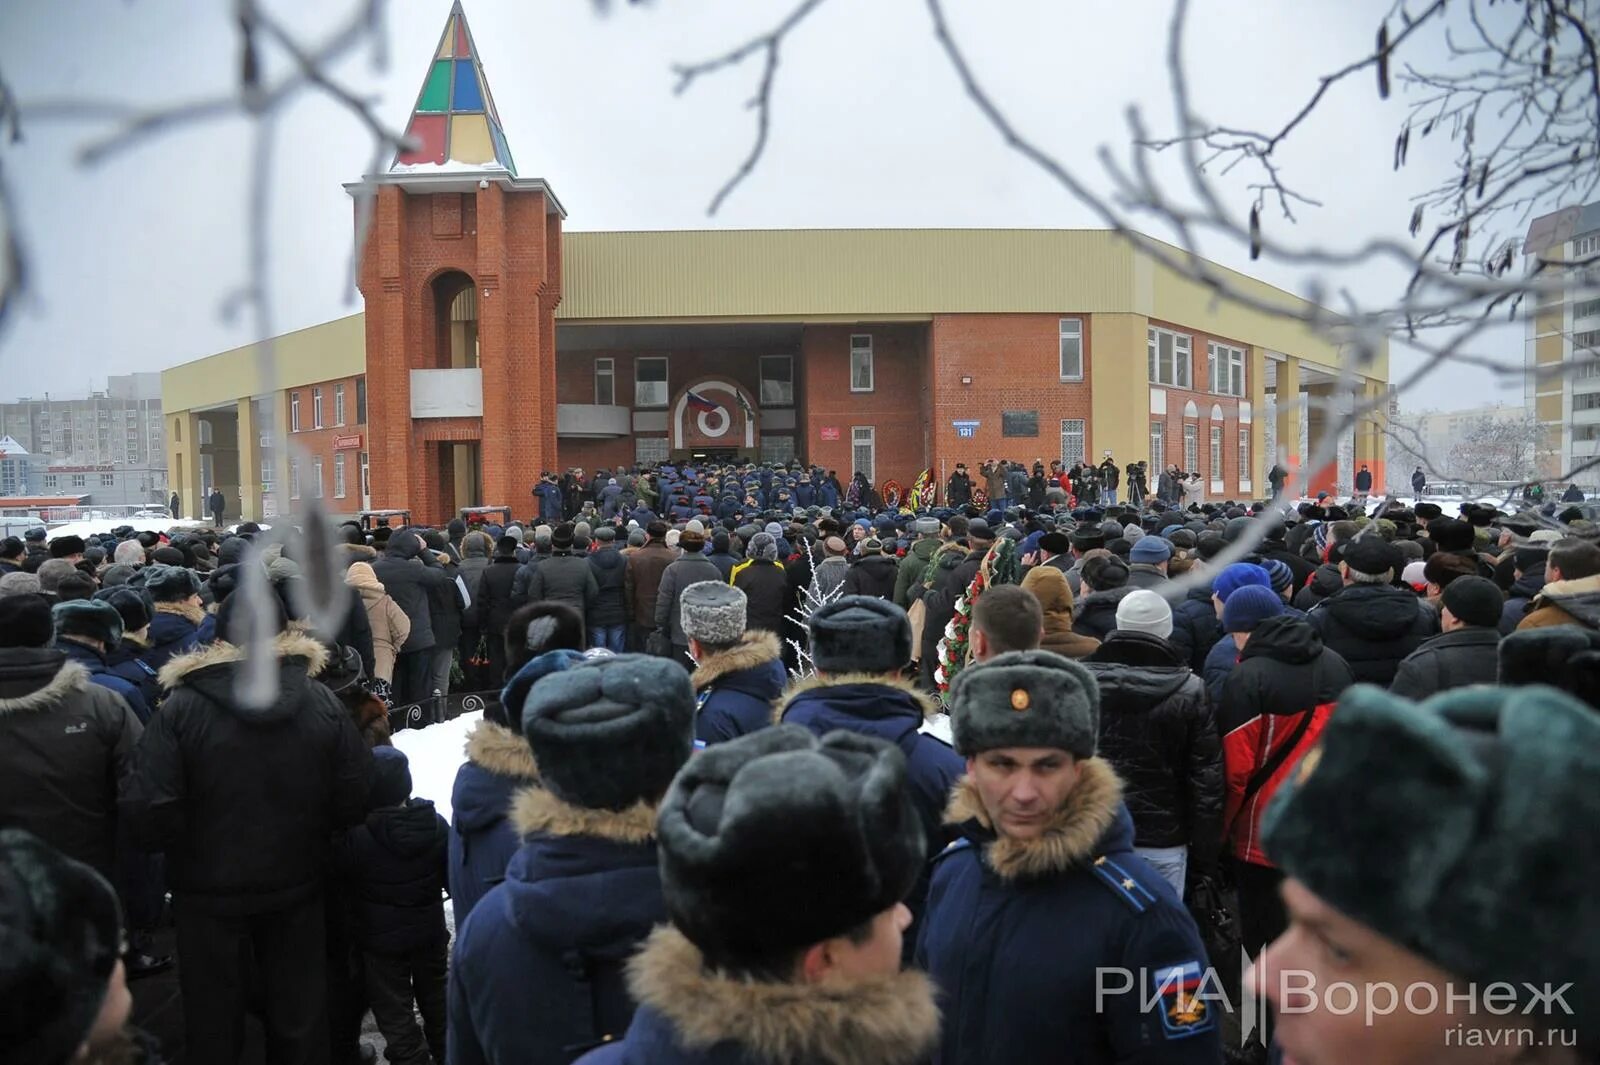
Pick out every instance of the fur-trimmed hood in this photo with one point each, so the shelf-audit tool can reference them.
(349, 553)
(755, 648)
(820, 683)
(535, 811)
(216, 671)
(193, 613)
(62, 678)
(1091, 817)
(889, 1020)
(501, 752)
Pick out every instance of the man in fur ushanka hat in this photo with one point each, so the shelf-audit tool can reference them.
(1044, 929)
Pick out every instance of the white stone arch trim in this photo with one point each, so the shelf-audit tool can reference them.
(682, 406)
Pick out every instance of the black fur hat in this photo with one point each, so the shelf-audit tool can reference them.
(60, 936)
(860, 634)
(1564, 656)
(610, 732)
(778, 840)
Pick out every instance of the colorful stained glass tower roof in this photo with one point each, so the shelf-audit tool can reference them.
(454, 122)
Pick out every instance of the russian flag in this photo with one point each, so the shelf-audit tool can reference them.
(701, 403)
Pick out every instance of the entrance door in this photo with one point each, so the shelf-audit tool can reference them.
(469, 478)
(366, 484)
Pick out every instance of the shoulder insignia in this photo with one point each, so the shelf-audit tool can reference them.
(954, 848)
(146, 666)
(1123, 884)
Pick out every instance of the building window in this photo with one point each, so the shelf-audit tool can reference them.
(649, 450)
(1588, 340)
(338, 404)
(266, 474)
(294, 412)
(1586, 401)
(361, 401)
(861, 362)
(107, 480)
(1158, 449)
(1071, 441)
(294, 478)
(316, 408)
(78, 480)
(777, 382)
(49, 480)
(1585, 308)
(605, 382)
(1191, 447)
(650, 382)
(1584, 247)
(777, 449)
(1216, 454)
(1244, 457)
(316, 476)
(864, 451)
(1169, 358)
(338, 476)
(366, 481)
(1225, 368)
(1072, 349)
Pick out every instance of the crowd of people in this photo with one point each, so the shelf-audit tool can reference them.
(776, 770)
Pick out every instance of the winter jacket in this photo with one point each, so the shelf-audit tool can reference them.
(690, 569)
(1284, 673)
(482, 840)
(298, 766)
(829, 578)
(645, 569)
(1016, 486)
(890, 1020)
(1049, 585)
(548, 493)
(394, 866)
(892, 711)
(1325, 581)
(1220, 660)
(766, 590)
(177, 629)
(1144, 575)
(1523, 592)
(409, 579)
(608, 608)
(538, 966)
(495, 604)
(736, 688)
(953, 570)
(1195, 626)
(101, 674)
(1573, 602)
(1373, 627)
(908, 578)
(1019, 932)
(445, 607)
(564, 578)
(1096, 614)
(1469, 655)
(390, 626)
(126, 660)
(66, 744)
(1158, 732)
(872, 575)
(1298, 565)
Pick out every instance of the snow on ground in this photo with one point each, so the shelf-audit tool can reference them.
(436, 752)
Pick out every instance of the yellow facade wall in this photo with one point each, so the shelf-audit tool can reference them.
(1549, 349)
(332, 349)
(1548, 408)
(1119, 400)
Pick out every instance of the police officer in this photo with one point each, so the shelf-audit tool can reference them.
(1049, 938)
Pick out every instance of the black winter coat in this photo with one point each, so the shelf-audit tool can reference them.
(1451, 660)
(495, 605)
(408, 581)
(564, 578)
(1373, 627)
(394, 866)
(1522, 593)
(609, 607)
(953, 572)
(244, 801)
(444, 608)
(766, 589)
(1195, 629)
(1158, 731)
(872, 575)
(1096, 613)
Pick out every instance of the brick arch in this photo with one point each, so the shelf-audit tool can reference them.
(433, 302)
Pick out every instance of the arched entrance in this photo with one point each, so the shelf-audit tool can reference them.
(715, 415)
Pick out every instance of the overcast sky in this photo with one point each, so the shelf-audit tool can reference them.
(133, 259)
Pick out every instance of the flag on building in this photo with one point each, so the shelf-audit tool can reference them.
(701, 403)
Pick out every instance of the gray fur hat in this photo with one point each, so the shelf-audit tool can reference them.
(1026, 699)
(764, 547)
(713, 612)
(170, 584)
(926, 526)
(610, 732)
(859, 634)
(95, 619)
(778, 840)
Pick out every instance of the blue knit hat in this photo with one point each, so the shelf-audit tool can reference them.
(1150, 550)
(1239, 575)
(1247, 607)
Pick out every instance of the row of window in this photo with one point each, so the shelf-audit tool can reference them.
(650, 380)
(1191, 449)
(79, 480)
(1584, 247)
(338, 406)
(1586, 401)
(1588, 340)
(1585, 308)
(316, 476)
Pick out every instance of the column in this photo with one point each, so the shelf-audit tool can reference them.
(1320, 418)
(183, 438)
(1255, 390)
(249, 461)
(1119, 395)
(1287, 396)
(1369, 442)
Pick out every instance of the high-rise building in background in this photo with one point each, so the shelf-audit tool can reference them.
(1563, 346)
(108, 444)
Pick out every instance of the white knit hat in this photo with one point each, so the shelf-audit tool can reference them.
(1145, 611)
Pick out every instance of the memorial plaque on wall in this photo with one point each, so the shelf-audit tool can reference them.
(1019, 423)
